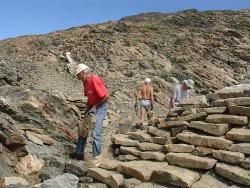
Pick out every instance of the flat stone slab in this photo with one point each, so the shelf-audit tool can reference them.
(191, 117)
(157, 132)
(229, 156)
(239, 134)
(241, 147)
(150, 185)
(210, 180)
(130, 151)
(187, 160)
(171, 124)
(131, 182)
(109, 164)
(140, 136)
(177, 130)
(127, 158)
(217, 129)
(201, 99)
(177, 176)
(92, 185)
(230, 119)
(158, 156)
(232, 92)
(141, 170)
(178, 148)
(106, 176)
(202, 151)
(189, 111)
(239, 110)
(145, 146)
(234, 173)
(205, 141)
(213, 110)
(240, 101)
(161, 140)
(121, 139)
(246, 163)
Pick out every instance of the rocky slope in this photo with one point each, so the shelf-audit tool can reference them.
(39, 96)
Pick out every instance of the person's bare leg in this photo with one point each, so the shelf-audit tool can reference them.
(143, 111)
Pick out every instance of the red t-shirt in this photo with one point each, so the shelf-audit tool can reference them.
(94, 89)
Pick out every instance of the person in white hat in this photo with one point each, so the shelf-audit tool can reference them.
(146, 97)
(97, 94)
(180, 92)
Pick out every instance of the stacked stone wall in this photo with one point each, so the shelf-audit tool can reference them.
(206, 142)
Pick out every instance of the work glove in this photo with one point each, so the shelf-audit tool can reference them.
(92, 110)
(85, 113)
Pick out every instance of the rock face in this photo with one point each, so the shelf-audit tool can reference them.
(41, 103)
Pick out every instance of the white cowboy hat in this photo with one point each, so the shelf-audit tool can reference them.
(189, 83)
(81, 67)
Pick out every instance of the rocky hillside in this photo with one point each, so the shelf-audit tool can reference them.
(41, 102)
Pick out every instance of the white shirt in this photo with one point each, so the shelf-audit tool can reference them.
(178, 94)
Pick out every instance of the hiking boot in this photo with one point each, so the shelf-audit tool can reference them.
(77, 156)
(80, 156)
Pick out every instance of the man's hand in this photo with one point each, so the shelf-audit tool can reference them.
(92, 110)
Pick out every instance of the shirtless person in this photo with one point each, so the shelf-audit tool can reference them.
(146, 97)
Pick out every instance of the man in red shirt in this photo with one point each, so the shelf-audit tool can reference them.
(97, 94)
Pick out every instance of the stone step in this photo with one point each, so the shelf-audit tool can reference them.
(177, 176)
(205, 141)
(178, 148)
(158, 156)
(240, 101)
(213, 110)
(229, 156)
(234, 173)
(187, 160)
(171, 124)
(121, 139)
(106, 176)
(239, 134)
(109, 164)
(127, 158)
(151, 185)
(217, 129)
(145, 146)
(230, 119)
(241, 147)
(191, 117)
(202, 151)
(140, 136)
(130, 150)
(210, 180)
(141, 170)
(161, 140)
(246, 163)
(239, 110)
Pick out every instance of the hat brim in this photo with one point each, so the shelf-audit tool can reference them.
(188, 84)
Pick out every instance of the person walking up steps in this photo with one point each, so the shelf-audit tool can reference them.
(180, 92)
(97, 94)
(145, 99)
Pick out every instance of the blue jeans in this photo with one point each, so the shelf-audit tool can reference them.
(101, 112)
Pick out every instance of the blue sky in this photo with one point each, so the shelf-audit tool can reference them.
(26, 17)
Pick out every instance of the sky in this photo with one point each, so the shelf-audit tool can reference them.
(28, 17)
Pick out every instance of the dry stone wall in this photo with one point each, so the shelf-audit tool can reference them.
(206, 142)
